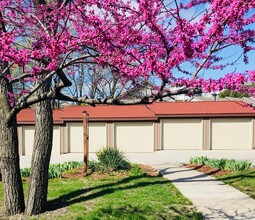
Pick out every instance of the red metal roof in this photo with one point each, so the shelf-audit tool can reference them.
(27, 116)
(201, 108)
(144, 112)
(110, 112)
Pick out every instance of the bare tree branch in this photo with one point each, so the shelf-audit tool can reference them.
(77, 59)
(210, 52)
(35, 88)
(7, 69)
(18, 78)
(28, 102)
(39, 21)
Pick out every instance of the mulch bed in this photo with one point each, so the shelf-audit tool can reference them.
(207, 170)
(80, 173)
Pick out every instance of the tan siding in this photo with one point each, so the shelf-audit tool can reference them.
(157, 136)
(110, 134)
(62, 140)
(66, 148)
(134, 136)
(97, 136)
(206, 134)
(231, 133)
(20, 140)
(180, 134)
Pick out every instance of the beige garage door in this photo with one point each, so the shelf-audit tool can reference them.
(56, 141)
(134, 136)
(75, 136)
(181, 134)
(28, 140)
(231, 134)
(97, 137)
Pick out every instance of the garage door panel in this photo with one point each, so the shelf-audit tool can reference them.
(231, 134)
(56, 141)
(28, 139)
(182, 134)
(134, 136)
(97, 136)
(75, 136)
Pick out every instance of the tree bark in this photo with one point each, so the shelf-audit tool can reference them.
(38, 188)
(9, 158)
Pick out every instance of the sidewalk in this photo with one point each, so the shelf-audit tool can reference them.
(212, 197)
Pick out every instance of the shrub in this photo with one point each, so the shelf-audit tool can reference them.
(109, 160)
(222, 164)
(25, 172)
(96, 166)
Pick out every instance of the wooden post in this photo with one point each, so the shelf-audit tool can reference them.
(85, 140)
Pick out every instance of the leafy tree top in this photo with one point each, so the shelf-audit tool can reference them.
(228, 93)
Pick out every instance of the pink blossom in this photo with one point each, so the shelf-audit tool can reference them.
(148, 39)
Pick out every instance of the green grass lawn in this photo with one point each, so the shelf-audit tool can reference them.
(242, 180)
(136, 196)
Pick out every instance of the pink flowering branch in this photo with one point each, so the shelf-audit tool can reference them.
(151, 39)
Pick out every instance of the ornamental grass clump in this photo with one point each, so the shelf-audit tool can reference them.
(55, 170)
(25, 172)
(198, 160)
(233, 165)
(109, 160)
(216, 163)
(222, 164)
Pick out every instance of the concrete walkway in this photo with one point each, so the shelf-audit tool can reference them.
(212, 197)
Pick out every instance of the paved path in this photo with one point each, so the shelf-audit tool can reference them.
(211, 196)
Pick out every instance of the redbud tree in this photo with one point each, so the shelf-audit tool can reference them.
(137, 39)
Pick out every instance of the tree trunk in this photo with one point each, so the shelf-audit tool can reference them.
(38, 188)
(9, 159)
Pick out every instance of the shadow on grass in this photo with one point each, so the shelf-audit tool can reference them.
(137, 212)
(83, 195)
(233, 178)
